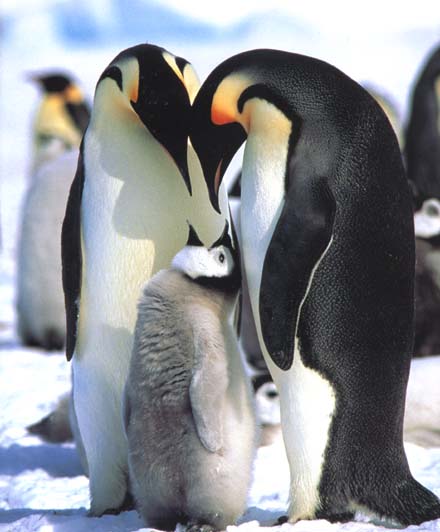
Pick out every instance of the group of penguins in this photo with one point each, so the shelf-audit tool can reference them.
(311, 259)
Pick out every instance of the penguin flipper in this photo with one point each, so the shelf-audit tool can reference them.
(207, 389)
(301, 237)
(72, 256)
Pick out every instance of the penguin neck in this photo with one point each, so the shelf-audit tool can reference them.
(263, 189)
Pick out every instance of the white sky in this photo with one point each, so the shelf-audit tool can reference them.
(342, 15)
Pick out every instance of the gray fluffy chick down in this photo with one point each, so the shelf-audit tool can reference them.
(188, 407)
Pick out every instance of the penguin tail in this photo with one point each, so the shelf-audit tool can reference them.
(407, 503)
(55, 427)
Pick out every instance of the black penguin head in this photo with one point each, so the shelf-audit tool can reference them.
(53, 82)
(216, 267)
(159, 87)
(226, 107)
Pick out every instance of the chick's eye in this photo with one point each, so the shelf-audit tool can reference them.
(221, 258)
(432, 210)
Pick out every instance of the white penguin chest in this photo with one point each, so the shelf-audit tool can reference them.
(263, 187)
(133, 214)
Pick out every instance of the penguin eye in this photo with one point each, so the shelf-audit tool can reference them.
(221, 258)
(432, 210)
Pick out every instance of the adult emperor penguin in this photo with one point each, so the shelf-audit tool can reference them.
(328, 245)
(422, 138)
(61, 118)
(41, 320)
(188, 407)
(134, 191)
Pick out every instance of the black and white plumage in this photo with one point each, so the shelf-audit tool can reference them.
(427, 281)
(138, 183)
(189, 414)
(327, 240)
(60, 121)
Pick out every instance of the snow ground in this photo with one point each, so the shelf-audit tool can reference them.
(41, 485)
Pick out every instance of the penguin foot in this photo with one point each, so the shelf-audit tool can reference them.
(337, 517)
(196, 527)
(29, 340)
(126, 506)
(53, 340)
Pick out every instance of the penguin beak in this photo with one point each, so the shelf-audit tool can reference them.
(215, 145)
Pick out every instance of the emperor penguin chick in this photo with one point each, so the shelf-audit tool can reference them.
(188, 410)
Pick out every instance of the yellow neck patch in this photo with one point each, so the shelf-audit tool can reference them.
(224, 109)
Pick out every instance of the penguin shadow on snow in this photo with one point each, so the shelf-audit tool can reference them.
(56, 460)
(129, 216)
(68, 520)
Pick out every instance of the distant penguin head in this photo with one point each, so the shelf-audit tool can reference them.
(214, 267)
(427, 220)
(53, 82)
(63, 112)
(151, 83)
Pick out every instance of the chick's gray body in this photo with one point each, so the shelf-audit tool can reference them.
(188, 412)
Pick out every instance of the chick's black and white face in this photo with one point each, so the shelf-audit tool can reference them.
(427, 219)
(198, 261)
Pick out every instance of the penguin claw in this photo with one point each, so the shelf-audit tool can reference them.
(195, 527)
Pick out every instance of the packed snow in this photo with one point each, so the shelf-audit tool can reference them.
(42, 487)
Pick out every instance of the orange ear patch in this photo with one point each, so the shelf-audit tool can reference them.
(217, 177)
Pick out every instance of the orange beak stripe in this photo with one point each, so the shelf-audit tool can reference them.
(134, 94)
(217, 177)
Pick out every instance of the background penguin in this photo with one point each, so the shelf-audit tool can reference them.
(188, 407)
(137, 184)
(427, 285)
(422, 136)
(61, 118)
(41, 320)
(58, 127)
(328, 247)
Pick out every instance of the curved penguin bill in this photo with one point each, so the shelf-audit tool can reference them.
(158, 88)
(222, 120)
